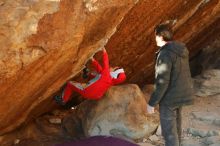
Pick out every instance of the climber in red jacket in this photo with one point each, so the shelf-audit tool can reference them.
(98, 85)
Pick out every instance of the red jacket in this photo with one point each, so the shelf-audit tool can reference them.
(97, 89)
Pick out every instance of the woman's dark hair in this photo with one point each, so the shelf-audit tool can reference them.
(165, 31)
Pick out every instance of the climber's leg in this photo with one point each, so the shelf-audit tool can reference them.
(67, 92)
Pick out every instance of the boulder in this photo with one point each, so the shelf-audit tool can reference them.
(208, 58)
(194, 23)
(121, 112)
(215, 144)
(159, 131)
(154, 138)
(148, 90)
(207, 84)
(203, 132)
(192, 142)
(44, 44)
(209, 117)
(212, 140)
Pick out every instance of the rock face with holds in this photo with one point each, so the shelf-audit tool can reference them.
(45, 43)
(121, 112)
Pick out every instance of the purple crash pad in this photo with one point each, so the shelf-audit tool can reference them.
(99, 141)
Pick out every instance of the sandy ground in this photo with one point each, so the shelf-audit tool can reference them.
(202, 118)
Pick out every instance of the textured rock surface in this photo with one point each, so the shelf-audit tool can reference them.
(196, 24)
(207, 84)
(209, 117)
(40, 132)
(208, 57)
(212, 140)
(192, 143)
(202, 132)
(198, 121)
(122, 112)
(46, 42)
(18, 20)
(36, 62)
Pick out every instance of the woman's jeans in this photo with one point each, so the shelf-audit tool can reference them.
(170, 119)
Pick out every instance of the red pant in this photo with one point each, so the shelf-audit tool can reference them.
(93, 91)
(70, 88)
